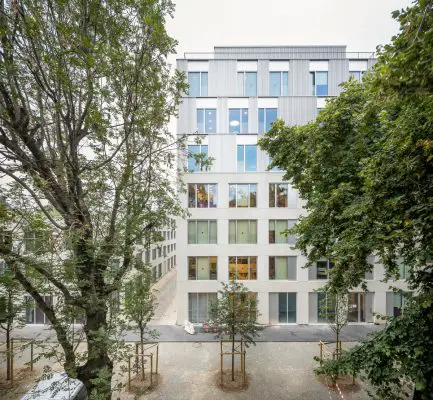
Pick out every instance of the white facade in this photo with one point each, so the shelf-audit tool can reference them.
(292, 299)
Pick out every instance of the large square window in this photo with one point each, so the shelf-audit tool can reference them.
(277, 229)
(242, 268)
(324, 269)
(202, 195)
(202, 231)
(199, 305)
(202, 268)
(242, 231)
(282, 195)
(242, 195)
(282, 268)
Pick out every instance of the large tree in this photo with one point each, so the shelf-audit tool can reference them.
(85, 96)
(365, 170)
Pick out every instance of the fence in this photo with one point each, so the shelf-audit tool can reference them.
(12, 353)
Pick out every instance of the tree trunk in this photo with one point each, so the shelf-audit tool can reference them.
(142, 350)
(233, 356)
(8, 349)
(99, 367)
(417, 395)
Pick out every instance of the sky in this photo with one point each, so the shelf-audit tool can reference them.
(199, 25)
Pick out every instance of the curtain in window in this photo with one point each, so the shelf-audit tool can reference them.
(281, 268)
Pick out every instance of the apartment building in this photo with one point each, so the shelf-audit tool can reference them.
(238, 208)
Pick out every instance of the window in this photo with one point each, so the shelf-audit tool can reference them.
(266, 117)
(159, 270)
(36, 241)
(356, 307)
(159, 251)
(276, 227)
(247, 83)
(206, 120)
(238, 120)
(199, 306)
(282, 195)
(319, 83)
(323, 269)
(242, 231)
(34, 315)
(153, 254)
(202, 195)
(197, 163)
(247, 157)
(403, 270)
(276, 168)
(242, 195)
(164, 250)
(318, 111)
(282, 268)
(202, 268)
(399, 300)
(242, 268)
(325, 308)
(279, 83)
(286, 308)
(198, 84)
(202, 232)
(357, 75)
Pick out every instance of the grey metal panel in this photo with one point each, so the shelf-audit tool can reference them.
(312, 307)
(263, 78)
(371, 62)
(369, 310)
(221, 147)
(281, 52)
(262, 160)
(253, 115)
(186, 123)
(299, 78)
(338, 72)
(312, 272)
(389, 304)
(222, 78)
(297, 110)
(222, 115)
(273, 308)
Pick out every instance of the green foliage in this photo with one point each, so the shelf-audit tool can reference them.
(86, 94)
(365, 169)
(235, 313)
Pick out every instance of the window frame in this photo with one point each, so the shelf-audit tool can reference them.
(313, 77)
(250, 192)
(288, 266)
(213, 276)
(249, 231)
(281, 84)
(200, 88)
(242, 122)
(196, 202)
(197, 167)
(244, 82)
(244, 161)
(329, 266)
(208, 302)
(235, 275)
(196, 222)
(206, 130)
(288, 189)
(32, 306)
(290, 239)
(263, 129)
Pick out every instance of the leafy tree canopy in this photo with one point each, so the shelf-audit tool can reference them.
(365, 170)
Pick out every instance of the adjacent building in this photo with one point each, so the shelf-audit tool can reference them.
(238, 208)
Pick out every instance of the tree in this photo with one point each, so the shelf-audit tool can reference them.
(140, 305)
(235, 313)
(85, 96)
(364, 167)
(12, 308)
